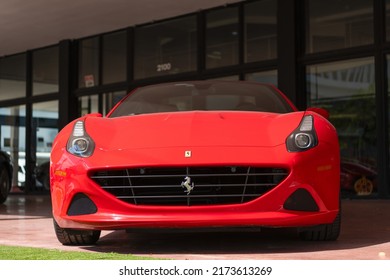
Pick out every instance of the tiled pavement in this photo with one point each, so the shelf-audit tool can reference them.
(25, 220)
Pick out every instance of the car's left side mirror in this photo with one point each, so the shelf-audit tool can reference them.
(319, 111)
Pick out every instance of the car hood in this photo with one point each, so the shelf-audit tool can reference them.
(192, 129)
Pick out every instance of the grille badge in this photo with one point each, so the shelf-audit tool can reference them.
(187, 185)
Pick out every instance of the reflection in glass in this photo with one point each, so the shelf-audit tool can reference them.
(89, 62)
(268, 77)
(114, 57)
(388, 91)
(226, 78)
(13, 140)
(44, 130)
(222, 35)
(336, 24)
(111, 99)
(45, 71)
(347, 90)
(13, 77)
(387, 20)
(166, 48)
(260, 30)
(88, 104)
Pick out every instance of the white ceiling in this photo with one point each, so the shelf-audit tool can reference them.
(32, 24)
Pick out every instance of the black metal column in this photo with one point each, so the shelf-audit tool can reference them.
(289, 42)
(67, 77)
(382, 108)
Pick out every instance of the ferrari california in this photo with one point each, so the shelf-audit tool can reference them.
(197, 155)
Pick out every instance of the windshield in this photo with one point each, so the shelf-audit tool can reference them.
(203, 95)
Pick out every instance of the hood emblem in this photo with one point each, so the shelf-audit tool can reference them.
(188, 185)
(187, 154)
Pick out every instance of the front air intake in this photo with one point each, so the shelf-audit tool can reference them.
(81, 205)
(301, 200)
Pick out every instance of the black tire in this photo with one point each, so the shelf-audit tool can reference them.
(5, 184)
(329, 232)
(76, 237)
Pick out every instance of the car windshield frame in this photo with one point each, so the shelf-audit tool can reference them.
(203, 96)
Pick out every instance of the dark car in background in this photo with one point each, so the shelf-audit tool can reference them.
(5, 176)
(358, 177)
(42, 175)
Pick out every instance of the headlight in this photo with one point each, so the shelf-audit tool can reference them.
(304, 137)
(79, 143)
(303, 140)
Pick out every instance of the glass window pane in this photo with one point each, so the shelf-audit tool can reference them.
(88, 104)
(44, 130)
(114, 57)
(13, 77)
(222, 37)
(13, 140)
(388, 90)
(336, 24)
(45, 71)
(347, 90)
(387, 20)
(111, 99)
(166, 48)
(89, 62)
(269, 77)
(260, 30)
(225, 78)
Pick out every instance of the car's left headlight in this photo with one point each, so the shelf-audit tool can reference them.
(80, 143)
(304, 137)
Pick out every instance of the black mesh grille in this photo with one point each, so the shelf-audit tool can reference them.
(211, 185)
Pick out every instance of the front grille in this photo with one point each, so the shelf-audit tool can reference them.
(211, 185)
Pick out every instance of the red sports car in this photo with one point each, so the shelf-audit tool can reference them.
(204, 154)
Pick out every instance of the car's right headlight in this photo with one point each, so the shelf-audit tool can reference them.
(304, 137)
(80, 143)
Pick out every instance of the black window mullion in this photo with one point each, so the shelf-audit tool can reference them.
(201, 59)
(30, 156)
(381, 89)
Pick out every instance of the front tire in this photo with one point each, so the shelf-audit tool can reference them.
(76, 237)
(328, 232)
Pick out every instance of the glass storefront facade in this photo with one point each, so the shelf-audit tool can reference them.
(332, 54)
(13, 140)
(43, 131)
(101, 103)
(347, 90)
(45, 71)
(89, 74)
(269, 77)
(13, 77)
(260, 25)
(165, 48)
(336, 24)
(114, 64)
(222, 37)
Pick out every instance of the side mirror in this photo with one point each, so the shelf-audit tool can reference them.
(97, 115)
(319, 111)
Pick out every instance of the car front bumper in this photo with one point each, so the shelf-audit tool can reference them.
(314, 173)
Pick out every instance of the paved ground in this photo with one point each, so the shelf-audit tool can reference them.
(25, 220)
